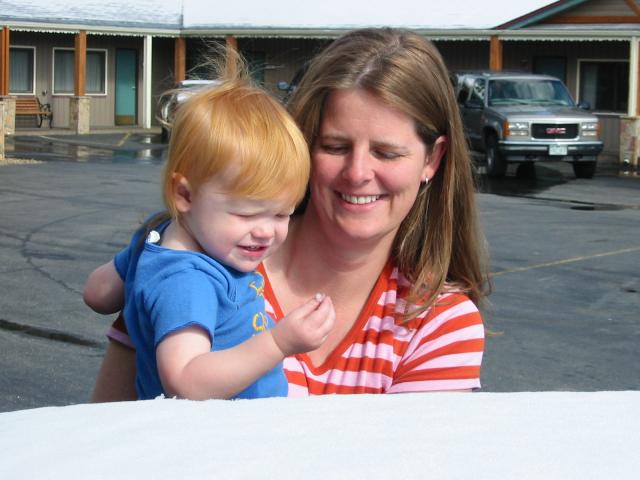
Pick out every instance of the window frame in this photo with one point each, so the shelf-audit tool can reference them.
(71, 94)
(35, 74)
(579, 76)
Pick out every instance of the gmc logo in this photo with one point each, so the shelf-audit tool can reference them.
(555, 130)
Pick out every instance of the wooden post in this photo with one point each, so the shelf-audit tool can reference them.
(637, 74)
(232, 46)
(232, 42)
(4, 62)
(495, 54)
(9, 109)
(80, 105)
(180, 59)
(80, 73)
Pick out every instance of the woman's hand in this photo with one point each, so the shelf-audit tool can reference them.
(306, 327)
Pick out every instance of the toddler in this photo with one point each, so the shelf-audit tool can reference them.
(193, 303)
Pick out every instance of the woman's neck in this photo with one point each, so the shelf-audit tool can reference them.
(310, 260)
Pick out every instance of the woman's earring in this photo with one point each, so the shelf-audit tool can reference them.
(426, 181)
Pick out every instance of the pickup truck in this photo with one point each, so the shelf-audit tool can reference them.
(526, 118)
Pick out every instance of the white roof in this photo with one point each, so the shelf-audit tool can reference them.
(258, 14)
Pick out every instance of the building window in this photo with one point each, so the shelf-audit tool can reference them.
(605, 84)
(63, 70)
(22, 70)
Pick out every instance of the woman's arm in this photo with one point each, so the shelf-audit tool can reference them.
(104, 290)
(116, 378)
(188, 368)
(446, 350)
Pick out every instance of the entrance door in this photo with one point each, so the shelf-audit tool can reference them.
(126, 86)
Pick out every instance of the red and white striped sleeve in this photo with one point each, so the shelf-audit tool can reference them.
(446, 351)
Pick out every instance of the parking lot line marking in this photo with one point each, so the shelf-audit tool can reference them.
(124, 139)
(564, 261)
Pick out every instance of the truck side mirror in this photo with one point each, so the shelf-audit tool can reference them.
(584, 105)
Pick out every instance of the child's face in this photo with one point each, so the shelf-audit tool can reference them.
(237, 231)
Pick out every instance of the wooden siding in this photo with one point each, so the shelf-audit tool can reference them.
(600, 8)
(596, 10)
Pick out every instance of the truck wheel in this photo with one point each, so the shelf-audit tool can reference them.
(584, 169)
(496, 164)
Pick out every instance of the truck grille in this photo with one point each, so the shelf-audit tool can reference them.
(550, 130)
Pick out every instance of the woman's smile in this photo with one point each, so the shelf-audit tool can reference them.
(359, 199)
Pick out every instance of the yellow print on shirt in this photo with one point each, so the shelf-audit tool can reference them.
(258, 288)
(260, 322)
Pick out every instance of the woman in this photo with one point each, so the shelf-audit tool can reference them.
(389, 231)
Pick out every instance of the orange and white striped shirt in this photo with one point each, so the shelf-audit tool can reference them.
(440, 350)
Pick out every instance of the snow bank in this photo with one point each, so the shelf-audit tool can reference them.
(439, 436)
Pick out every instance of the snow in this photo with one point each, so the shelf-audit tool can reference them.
(551, 435)
(140, 13)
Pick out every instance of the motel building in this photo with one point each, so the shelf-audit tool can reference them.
(84, 65)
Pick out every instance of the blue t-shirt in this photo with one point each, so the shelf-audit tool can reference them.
(168, 290)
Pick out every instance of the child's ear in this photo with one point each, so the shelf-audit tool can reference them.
(181, 193)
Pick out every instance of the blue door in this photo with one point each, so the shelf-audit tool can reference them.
(126, 86)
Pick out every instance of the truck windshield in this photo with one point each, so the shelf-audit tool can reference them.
(529, 92)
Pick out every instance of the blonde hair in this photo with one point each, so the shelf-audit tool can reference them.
(236, 129)
(438, 245)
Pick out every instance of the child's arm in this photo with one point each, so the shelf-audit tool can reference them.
(188, 368)
(104, 290)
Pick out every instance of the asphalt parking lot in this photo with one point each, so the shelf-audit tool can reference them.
(565, 257)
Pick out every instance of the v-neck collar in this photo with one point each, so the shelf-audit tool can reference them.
(380, 286)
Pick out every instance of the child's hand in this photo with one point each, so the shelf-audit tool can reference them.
(306, 327)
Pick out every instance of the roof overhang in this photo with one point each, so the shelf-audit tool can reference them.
(90, 29)
(555, 33)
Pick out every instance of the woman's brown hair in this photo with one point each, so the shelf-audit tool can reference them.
(438, 245)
